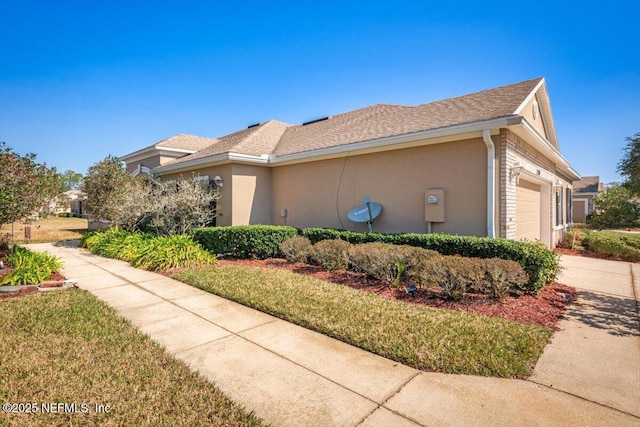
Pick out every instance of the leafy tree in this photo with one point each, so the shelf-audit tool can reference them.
(127, 201)
(107, 184)
(181, 205)
(614, 209)
(26, 186)
(629, 166)
(70, 180)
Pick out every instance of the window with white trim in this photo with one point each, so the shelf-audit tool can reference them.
(559, 206)
(569, 218)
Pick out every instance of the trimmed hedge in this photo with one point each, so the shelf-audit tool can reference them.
(541, 264)
(244, 241)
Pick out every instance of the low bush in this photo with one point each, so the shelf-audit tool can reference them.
(453, 276)
(244, 241)
(502, 277)
(330, 254)
(296, 249)
(387, 262)
(145, 250)
(31, 268)
(614, 244)
(541, 264)
(167, 252)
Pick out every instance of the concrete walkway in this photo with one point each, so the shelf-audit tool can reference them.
(291, 376)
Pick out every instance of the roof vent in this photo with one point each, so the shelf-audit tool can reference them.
(253, 125)
(315, 121)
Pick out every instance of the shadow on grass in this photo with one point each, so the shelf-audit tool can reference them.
(616, 315)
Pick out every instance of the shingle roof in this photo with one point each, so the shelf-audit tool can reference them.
(257, 140)
(588, 184)
(369, 123)
(186, 142)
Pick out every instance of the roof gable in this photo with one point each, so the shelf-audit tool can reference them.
(540, 96)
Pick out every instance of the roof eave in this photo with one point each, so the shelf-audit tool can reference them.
(529, 133)
(431, 136)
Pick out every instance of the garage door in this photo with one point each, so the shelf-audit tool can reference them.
(527, 211)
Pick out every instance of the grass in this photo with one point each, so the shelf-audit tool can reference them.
(425, 338)
(70, 347)
(51, 229)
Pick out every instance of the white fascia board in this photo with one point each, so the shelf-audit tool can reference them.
(529, 98)
(191, 164)
(214, 160)
(153, 150)
(433, 136)
(138, 153)
(527, 132)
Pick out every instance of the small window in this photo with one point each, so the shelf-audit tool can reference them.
(569, 219)
(203, 180)
(559, 207)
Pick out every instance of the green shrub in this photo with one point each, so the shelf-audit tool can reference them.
(148, 251)
(451, 275)
(455, 275)
(296, 249)
(166, 252)
(330, 254)
(541, 264)
(30, 267)
(387, 262)
(244, 241)
(623, 245)
(502, 277)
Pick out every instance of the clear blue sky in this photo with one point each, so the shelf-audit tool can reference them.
(83, 79)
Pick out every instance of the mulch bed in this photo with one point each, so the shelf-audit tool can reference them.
(7, 270)
(544, 309)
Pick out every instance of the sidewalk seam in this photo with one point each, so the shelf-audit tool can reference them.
(583, 398)
(381, 405)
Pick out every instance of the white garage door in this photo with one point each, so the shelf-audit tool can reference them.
(527, 211)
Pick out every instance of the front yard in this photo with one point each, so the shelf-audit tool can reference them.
(69, 347)
(425, 338)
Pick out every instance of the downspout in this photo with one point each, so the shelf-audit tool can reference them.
(491, 180)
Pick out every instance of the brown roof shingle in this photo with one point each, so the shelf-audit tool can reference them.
(186, 142)
(588, 184)
(364, 124)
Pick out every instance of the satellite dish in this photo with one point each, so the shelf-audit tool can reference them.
(366, 212)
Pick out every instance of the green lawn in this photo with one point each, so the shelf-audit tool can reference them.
(425, 338)
(69, 347)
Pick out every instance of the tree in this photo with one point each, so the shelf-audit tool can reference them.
(182, 205)
(629, 166)
(70, 180)
(107, 185)
(614, 209)
(26, 186)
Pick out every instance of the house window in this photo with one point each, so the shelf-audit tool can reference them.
(203, 180)
(569, 207)
(559, 207)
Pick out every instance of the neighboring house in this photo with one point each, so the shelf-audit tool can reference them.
(77, 202)
(583, 192)
(491, 157)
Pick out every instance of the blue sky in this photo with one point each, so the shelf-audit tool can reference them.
(83, 79)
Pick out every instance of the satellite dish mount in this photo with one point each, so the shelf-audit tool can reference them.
(367, 212)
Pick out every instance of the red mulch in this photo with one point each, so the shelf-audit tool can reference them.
(544, 309)
(586, 254)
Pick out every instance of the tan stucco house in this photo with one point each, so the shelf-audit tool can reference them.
(583, 192)
(491, 158)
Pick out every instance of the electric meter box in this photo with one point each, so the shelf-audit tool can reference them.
(434, 205)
